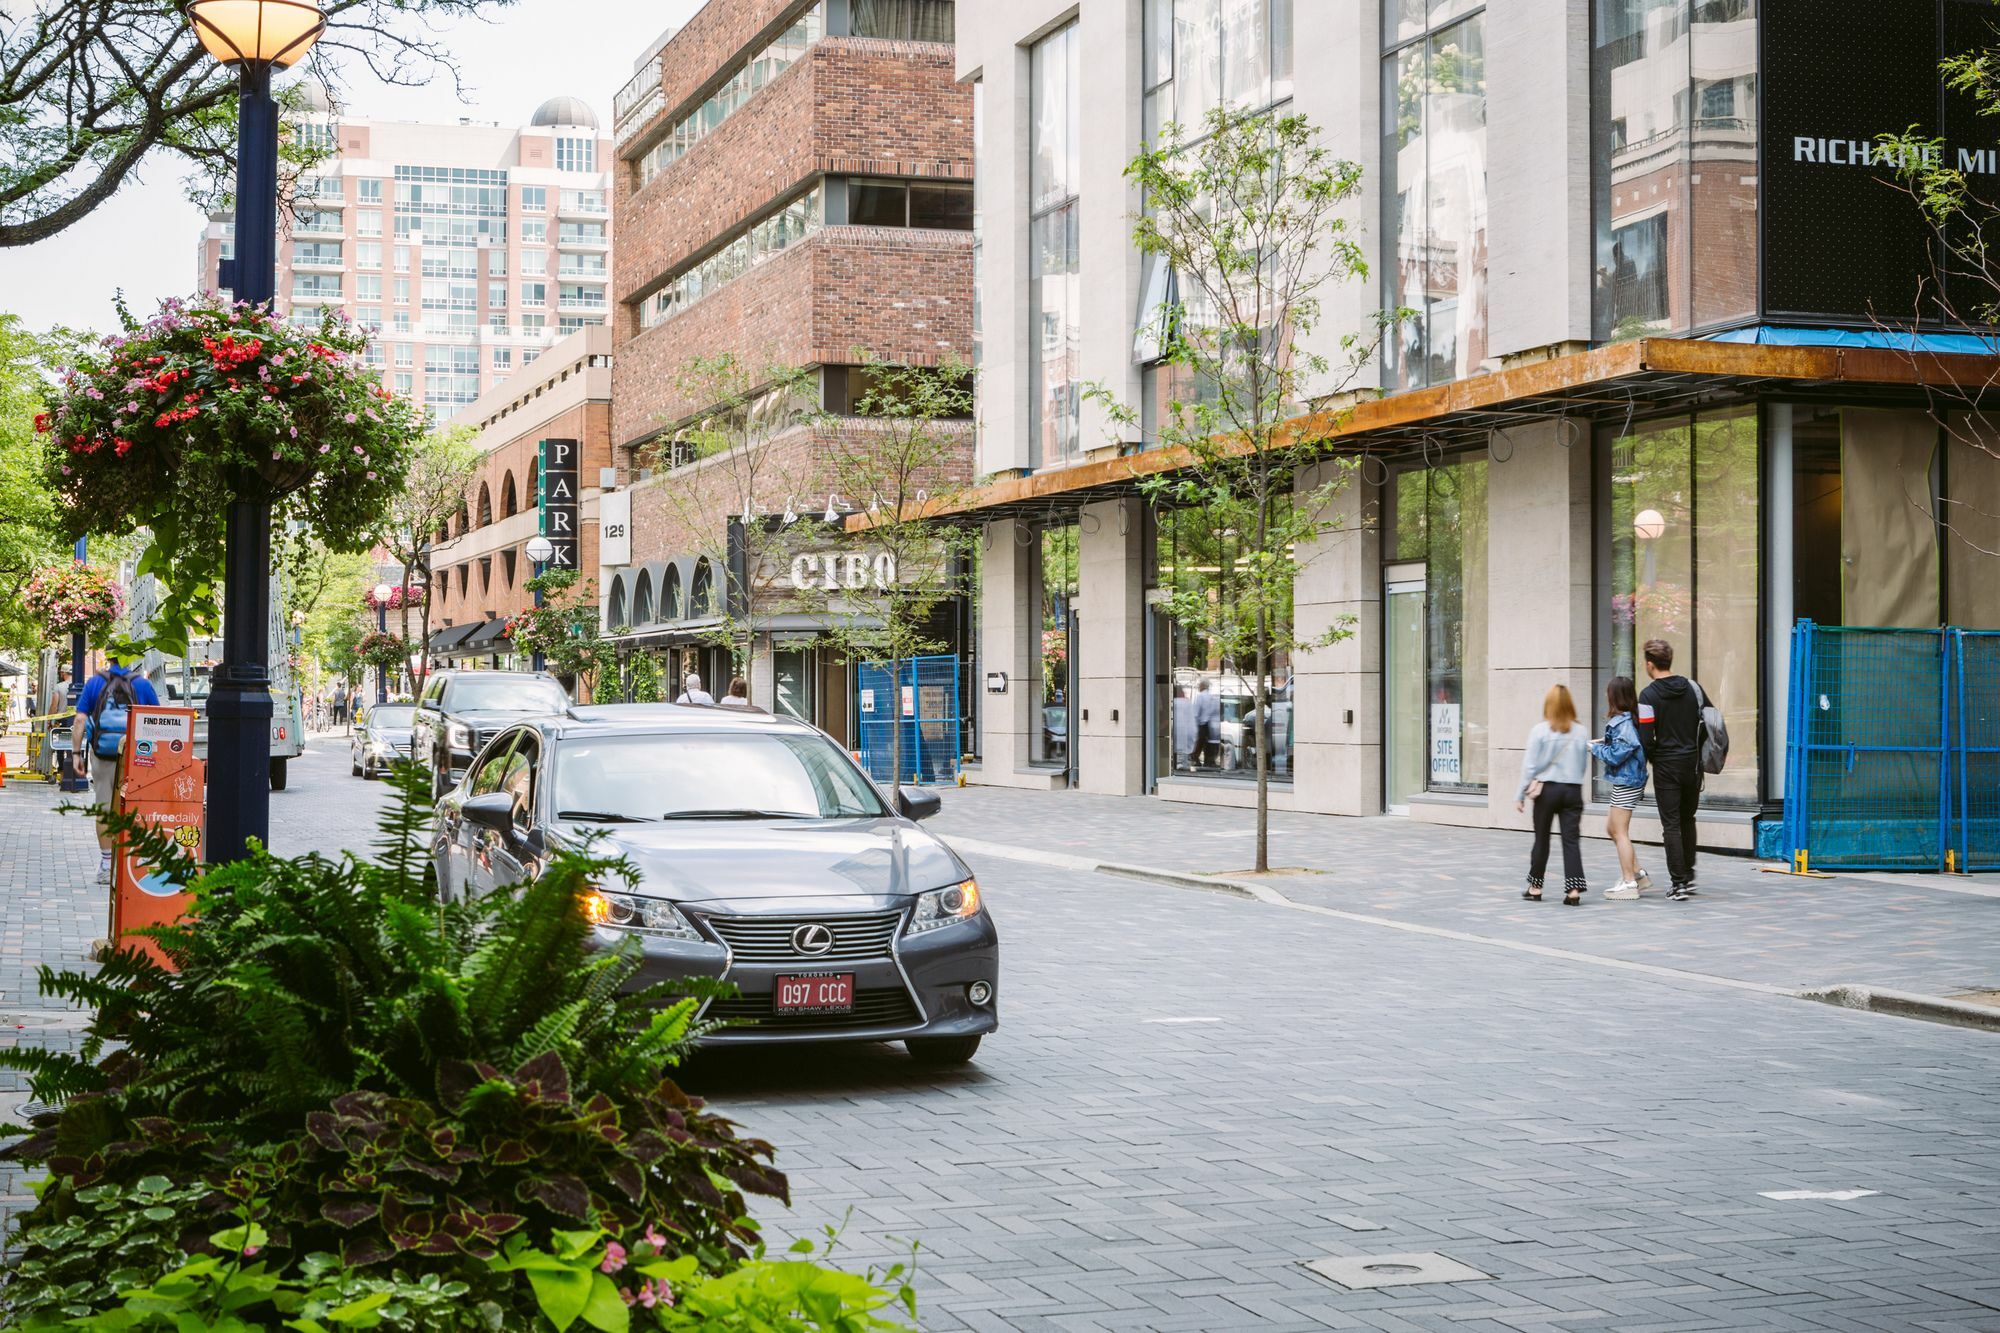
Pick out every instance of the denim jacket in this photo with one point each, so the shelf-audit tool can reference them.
(1624, 758)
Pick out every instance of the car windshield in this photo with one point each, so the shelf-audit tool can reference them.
(391, 717)
(710, 775)
(504, 694)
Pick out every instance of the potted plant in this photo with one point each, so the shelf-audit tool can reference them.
(163, 425)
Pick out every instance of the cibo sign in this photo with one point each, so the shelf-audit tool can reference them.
(837, 571)
(1842, 241)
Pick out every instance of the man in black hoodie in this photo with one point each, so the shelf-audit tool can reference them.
(1670, 731)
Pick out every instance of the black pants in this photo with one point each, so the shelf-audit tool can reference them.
(1559, 801)
(1677, 791)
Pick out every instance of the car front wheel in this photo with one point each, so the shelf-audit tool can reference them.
(942, 1050)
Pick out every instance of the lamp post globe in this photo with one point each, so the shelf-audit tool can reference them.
(255, 38)
(538, 550)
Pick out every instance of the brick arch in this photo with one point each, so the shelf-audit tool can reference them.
(509, 500)
(485, 505)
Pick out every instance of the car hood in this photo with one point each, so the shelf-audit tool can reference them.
(722, 862)
(492, 719)
(390, 735)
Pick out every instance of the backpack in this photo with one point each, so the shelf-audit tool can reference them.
(1711, 735)
(108, 715)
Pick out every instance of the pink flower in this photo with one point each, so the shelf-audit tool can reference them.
(359, 450)
(614, 1257)
(351, 419)
(655, 1291)
(250, 1251)
(371, 476)
(656, 1240)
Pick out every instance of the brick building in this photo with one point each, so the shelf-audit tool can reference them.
(793, 191)
(478, 565)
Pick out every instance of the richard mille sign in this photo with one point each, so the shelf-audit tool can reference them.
(843, 571)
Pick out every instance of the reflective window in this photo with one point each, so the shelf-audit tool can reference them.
(1204, 54)
(1055, 278)
(766, 64)
(779, 231)
(1438, 515)
(903, 20)
(1055, 599)
(1434, 197)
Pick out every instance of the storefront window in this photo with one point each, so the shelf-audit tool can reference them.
(1674, 105)
(1678, 554)
(1055, 614)
(1438, 516)
(791, 682)
(1055, 279)
(1208, 727)
(1434, 194)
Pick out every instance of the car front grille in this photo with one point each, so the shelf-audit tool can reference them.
(770, 939)
(872, 1009)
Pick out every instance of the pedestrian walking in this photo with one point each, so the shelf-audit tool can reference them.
(1183, 730)
(693, 693)
(739, 693)
(1624, 761)
(1207, 725)
(1670, 731)
(1552, 774)
(99, 732)
(340, 705)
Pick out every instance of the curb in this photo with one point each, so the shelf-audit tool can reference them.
(1907, 1004)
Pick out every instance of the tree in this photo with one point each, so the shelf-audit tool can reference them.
(644, 686)
(734, 480)
(906, 457)
(90, 88)
(564, 628)
(28, 539)
(433, 493)
(1250, 219)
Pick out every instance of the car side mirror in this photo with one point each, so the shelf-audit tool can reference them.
(493, 810)
(918, 804)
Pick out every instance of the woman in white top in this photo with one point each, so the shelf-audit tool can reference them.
(1552, 774)
(739, 694)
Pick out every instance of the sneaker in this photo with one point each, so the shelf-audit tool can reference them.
(1680, 894)
(104, 871)
(1645, 881)
(1623, 891)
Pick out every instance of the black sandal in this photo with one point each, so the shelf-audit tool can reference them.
(1573, 898)
(1532, 895)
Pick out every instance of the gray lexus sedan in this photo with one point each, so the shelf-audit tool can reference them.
(765, 857)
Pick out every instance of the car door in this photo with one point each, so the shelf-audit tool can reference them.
(476, 846)
(425, 726)
(513, 857)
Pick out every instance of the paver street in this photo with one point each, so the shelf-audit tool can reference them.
(1192, 1095)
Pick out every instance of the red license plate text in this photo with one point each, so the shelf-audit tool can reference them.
(823, 993)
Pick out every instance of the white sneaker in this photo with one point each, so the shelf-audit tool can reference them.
(104, 871)
(1645, 881)
(1623, 891)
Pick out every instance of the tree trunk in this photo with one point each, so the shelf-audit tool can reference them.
(1261, 729)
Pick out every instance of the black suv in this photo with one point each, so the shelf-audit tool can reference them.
(462, 710)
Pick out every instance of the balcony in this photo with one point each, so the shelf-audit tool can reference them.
(594, 304)
(569, 274)
(598, 244)
(586, 204)
(310, 263)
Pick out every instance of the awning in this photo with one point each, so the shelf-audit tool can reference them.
(486, 633)
(1614, 383)
(9, 669)
(450, 637)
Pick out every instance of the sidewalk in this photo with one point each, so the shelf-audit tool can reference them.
(1931, 935)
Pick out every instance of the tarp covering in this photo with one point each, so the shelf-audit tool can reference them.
(1969, 344)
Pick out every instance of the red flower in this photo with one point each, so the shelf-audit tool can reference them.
(44, 423)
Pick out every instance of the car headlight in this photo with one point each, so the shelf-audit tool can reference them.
(458, 736)
(642, 916)
(941, 907)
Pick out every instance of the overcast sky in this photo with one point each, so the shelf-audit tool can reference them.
(144, 239)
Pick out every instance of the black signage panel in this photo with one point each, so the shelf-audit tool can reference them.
(1841, 240)
(558, 501)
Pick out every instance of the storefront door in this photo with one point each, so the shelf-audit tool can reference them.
(1404, 731)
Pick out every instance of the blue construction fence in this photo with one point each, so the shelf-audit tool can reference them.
(919, 696)
(1892, 751)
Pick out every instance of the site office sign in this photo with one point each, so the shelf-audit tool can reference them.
(1842, 242)
(556, 500)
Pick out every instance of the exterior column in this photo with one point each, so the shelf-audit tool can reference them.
(1008, 641)
(1538, 591)
(1338, 762)
(1111, 633)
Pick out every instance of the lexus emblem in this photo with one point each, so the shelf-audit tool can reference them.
(812, 939)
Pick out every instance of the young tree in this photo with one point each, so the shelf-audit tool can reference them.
(1251, 219)
(564, 628)
(736, 481)
(89, 90)
(435, 490)
(907, 456)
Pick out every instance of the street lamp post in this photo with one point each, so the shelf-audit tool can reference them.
(539, 549)
(258, 37)
(382, 593)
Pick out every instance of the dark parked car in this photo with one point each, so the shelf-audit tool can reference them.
(459, 711)
(764, 856)
(381, 738)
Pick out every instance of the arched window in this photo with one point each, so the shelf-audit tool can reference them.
(509, 505)
(615, 613)
(507, 566)
(642, 599)
(485, 505)
(670, 608)
(701, 598)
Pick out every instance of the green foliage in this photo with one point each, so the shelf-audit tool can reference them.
(387, 1077)
(384, 652)
(28, 521)
(645, 686)
(434, 492)
(563, 629)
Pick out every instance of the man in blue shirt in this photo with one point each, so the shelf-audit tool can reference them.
(127, 687)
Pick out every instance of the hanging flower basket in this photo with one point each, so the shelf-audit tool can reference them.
(71, 597)
(383, 651)
(398, 598)
(165, 424)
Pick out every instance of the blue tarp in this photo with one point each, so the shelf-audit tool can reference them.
(1971, 344)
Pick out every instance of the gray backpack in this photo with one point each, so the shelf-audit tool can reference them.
(1712, 733)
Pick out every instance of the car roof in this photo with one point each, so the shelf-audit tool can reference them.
(657, 719)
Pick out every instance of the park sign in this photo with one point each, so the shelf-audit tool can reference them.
(1842, 242)
(555, 500)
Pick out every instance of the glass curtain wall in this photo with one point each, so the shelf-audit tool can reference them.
(1434, 189)
(1208, 728)
(1678, 553)
(1055, 279)
(1055, 606)
(1674, 164)
(1439, 517)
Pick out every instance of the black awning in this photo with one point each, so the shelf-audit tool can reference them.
(450, 637)
(486, 633)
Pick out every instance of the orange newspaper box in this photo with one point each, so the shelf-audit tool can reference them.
(163, 785)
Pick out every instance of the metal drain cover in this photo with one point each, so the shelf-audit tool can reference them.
(1357, 1272)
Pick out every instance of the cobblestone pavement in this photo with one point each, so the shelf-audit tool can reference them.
(1192, 1094)
(1911, 934)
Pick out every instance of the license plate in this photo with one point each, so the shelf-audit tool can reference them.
(819, 993)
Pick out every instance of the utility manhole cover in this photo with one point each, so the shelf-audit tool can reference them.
(1357, 1272)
